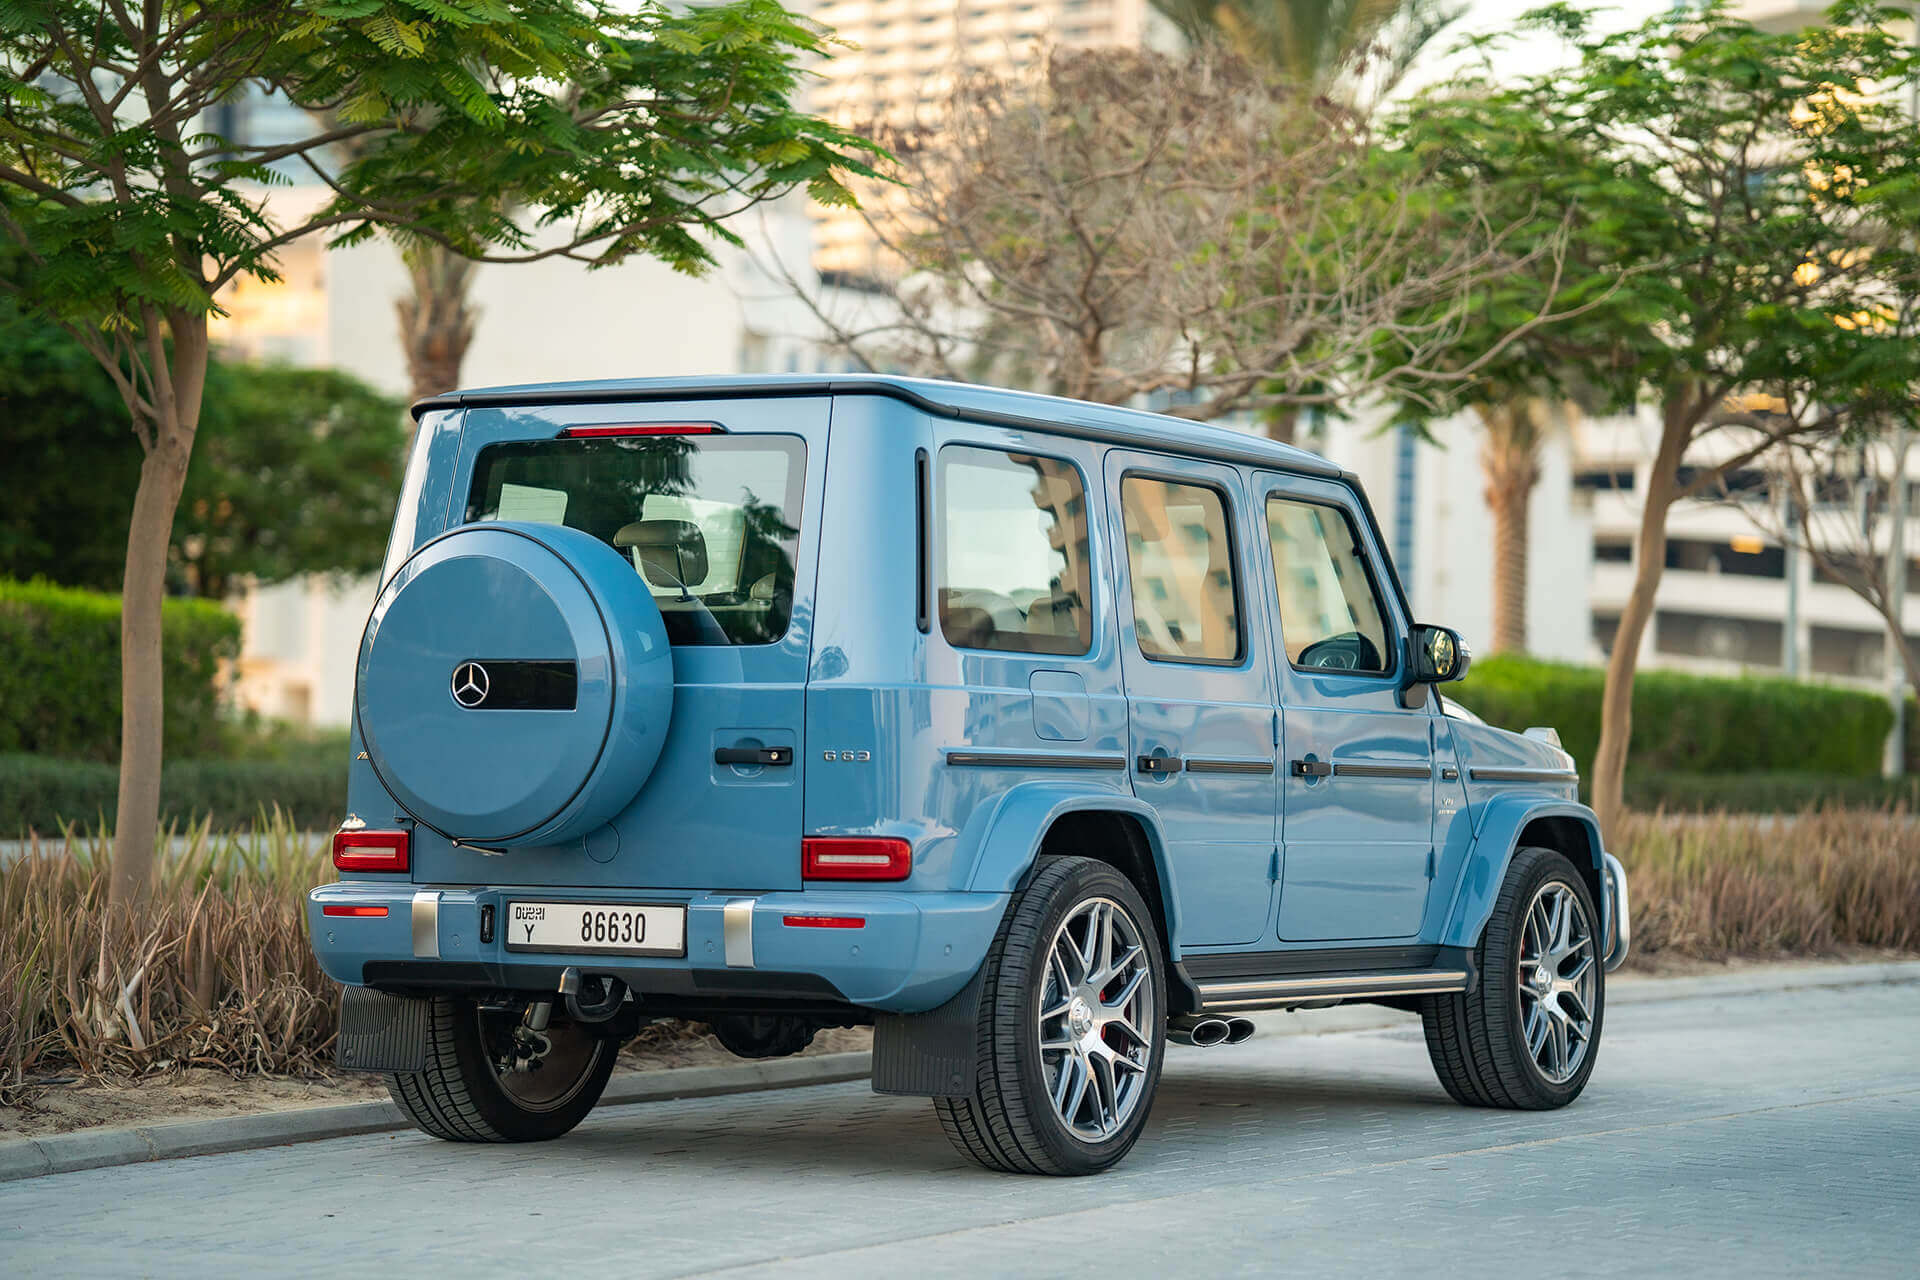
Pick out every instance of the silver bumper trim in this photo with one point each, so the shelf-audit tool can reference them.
(426, 925)
(737, 929)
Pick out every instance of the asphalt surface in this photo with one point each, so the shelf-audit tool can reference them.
(1756, 1135)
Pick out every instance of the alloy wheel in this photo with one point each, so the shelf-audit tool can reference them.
(1097, 1020)
(1558, 980)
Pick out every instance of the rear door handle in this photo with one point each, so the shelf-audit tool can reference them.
(753, 755)
(1160, 764)
(1313, 768)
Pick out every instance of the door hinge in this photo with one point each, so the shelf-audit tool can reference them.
(1276, 728)
(1273, 868)
(1431, 869)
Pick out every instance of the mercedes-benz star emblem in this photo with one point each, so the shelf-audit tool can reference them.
(470, 684)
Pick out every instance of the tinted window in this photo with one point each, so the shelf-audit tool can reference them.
(1013, 570)
(710, 523)
(1185, 599)
(1330, 613)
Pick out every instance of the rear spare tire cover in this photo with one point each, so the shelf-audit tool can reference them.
(514, 684)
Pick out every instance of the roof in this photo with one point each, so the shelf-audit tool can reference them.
(947, 399)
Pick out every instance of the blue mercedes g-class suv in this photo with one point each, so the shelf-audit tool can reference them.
(1034, 733)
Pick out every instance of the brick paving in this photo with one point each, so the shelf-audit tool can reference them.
(1758, 1135)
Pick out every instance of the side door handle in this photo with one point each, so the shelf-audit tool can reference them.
(1160, 765)
(753, 755)
(1313, 768)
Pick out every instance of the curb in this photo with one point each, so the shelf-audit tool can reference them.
(99, 1148)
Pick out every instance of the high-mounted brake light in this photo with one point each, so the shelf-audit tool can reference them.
(377, 913)
(824, 922)
(370, 850)
(643, 429)
(855, 858)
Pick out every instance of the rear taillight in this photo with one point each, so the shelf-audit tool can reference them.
(373, 913)
(824, 922)
(370, 850)
(855, 858)
(643, 429)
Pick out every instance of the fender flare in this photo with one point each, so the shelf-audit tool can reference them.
(1494, 845)
(1011, 835)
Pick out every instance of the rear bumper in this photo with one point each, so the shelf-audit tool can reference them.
(914, 951)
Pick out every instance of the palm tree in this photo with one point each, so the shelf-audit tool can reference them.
(436, 318)
(1515, 427)
(1336, 47)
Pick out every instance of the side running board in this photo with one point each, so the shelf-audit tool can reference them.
(1269, 993)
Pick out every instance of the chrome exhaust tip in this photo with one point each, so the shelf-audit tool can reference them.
(1240, 1030)
(1203, 1033)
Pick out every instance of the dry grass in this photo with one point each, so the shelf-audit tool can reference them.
(216, 970)
(213, 971)
(1820, 883)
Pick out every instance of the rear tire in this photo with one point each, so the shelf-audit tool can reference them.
(1070, 1040)
(1514, 1040)
(462, 1096)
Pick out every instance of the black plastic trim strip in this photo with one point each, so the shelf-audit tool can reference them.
(1031, 760)
(1422, 773)
(1323, 960)
(1523, 775)
(1201, 764)
(922, 507)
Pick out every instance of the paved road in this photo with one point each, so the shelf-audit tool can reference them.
(1748, 1136)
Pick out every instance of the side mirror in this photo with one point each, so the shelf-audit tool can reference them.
(1436, 655)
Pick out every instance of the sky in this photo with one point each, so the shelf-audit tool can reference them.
(1526, 54)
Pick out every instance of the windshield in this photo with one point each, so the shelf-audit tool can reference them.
(710, 523)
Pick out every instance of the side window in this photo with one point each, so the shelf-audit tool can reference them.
(1330, 610)
(1013, 564)
(1180, 557)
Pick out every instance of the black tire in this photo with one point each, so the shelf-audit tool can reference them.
(1476, 1039)
(1009, 1122)
(460, 1096)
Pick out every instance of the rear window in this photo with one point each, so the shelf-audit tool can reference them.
(710, 523)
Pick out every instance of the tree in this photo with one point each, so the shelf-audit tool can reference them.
(625, 129)
(1125, 225)
(1765, 185)
(436, 318)
(295, 472)
(1486, 156)
(1353, 49)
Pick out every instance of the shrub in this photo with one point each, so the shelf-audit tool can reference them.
(44, 795)
(60, 685)
(1690, 724)
(1822, 881)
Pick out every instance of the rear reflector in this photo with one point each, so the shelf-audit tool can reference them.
(643, 429)
(370, 851)
(855, 858)
(824, 922)
(374, 912)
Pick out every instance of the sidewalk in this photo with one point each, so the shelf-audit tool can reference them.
(97, 1148)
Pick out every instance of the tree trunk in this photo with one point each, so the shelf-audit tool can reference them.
(437, 319)
(1510, 465)
(1650, 561)
(163, 474)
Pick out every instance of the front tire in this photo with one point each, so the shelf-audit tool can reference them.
(464, 1095)
(1072, 1027)
(1527, 1036)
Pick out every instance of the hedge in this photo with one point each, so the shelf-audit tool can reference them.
(1767, 792)
(42, 794)
(1690, 724)
(60, 683)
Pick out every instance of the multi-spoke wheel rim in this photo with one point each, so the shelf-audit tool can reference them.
(1097, 1020)
(1559, 978)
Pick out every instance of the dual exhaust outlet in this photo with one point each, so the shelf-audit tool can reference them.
(1205, 1030)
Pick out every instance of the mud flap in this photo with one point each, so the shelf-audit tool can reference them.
(381, 1032)
(933, 1054)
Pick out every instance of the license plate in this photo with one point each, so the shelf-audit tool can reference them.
(615, 929)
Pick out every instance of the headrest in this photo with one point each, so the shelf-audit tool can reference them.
(670, 553)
